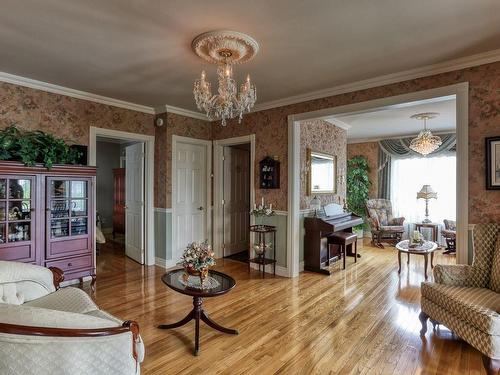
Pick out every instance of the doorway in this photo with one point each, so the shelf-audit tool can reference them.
(191, 193)
(128, 158)
(120, 196)
(460, 91)
(236, 201)
(234, 194)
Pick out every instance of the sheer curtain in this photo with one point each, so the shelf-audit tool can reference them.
(407, 178)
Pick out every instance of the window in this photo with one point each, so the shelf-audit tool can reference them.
(407, 178)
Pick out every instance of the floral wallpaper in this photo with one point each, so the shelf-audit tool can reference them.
(271, 139)
(322, 136)
(173, 125)
(68, 117)
(71, 118)
(370, 151)
(270, 127)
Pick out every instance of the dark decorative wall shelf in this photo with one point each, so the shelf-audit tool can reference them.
(269, 169)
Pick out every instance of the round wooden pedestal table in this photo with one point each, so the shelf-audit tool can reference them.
(428, 247)
(223, 284)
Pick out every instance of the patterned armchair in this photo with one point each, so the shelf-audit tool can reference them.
(449, 233)
(45, 329)
(384, 226)
(466, 298)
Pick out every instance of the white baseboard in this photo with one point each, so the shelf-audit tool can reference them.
(164, 263)
(280, 270)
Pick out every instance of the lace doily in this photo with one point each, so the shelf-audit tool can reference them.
(194, 282)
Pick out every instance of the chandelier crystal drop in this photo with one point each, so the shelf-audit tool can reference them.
(426, 142)
(224, 48)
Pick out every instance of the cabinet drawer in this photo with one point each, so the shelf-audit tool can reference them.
(58, 249)
(71, 264)
(23, 253)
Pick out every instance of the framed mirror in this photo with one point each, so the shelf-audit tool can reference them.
(322, 173)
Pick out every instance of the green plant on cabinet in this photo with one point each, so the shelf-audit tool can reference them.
(32, 147)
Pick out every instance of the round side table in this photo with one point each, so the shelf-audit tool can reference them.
(226, 283)
(428, 247)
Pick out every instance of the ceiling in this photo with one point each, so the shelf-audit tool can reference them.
(396, 121)
(139, 51)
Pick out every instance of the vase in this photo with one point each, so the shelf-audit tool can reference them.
(190, 271)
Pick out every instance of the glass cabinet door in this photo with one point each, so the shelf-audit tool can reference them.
(16, 207)
(68, 202)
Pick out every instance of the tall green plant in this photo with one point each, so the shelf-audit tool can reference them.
(358, 184)
(35, 147)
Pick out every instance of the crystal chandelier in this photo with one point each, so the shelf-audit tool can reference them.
(426, 142)
(225, 49)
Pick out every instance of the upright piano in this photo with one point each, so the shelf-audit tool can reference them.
(318, 229)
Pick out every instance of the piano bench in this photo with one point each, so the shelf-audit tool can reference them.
(343, 239)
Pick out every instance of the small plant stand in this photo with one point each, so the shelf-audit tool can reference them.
(261, 231)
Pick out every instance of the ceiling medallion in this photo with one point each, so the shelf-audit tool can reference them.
(224, 48)
(426, 142)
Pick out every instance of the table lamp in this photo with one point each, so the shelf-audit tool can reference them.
(426, 193)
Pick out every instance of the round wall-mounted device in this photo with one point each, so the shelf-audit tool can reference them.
(159, 121)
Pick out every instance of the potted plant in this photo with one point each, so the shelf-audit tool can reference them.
(197, 259)
(358, 186)
(31, 147)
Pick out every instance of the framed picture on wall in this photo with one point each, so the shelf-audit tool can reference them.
(493, 163)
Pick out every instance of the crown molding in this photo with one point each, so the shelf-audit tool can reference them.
(448, 66)
(56, 89)
(180, 111)
(429, 70)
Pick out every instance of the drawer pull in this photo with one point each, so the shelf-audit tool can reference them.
(70, 264)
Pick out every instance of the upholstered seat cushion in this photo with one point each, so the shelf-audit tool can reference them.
(41, 317)
(392, 228)
(480, 307)
(66, 299)
(446, 233)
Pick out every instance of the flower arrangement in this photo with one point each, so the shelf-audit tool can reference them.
(196, 260)
(416, 239)
(198, 256)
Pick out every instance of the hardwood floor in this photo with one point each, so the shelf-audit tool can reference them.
(360, 321)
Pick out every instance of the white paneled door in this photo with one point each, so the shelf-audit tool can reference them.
(189, 195)
(134, 202)
(236, 198)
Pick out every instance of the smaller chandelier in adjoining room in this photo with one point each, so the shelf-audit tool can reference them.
(426, 142)
(225, 49)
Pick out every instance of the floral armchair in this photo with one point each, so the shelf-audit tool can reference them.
(384, 227)
(466, 298)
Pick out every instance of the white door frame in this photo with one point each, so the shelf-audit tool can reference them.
(218, 183)
(461, 93)
(149, 146)
(200, 142)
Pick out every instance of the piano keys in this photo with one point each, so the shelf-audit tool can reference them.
(316, 239)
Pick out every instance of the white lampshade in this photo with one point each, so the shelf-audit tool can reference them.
(426, 193)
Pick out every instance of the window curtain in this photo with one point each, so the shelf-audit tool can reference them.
(408, 175)
(399, 148)
(384, 174)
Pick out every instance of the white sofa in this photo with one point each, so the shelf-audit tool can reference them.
(45, 329)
